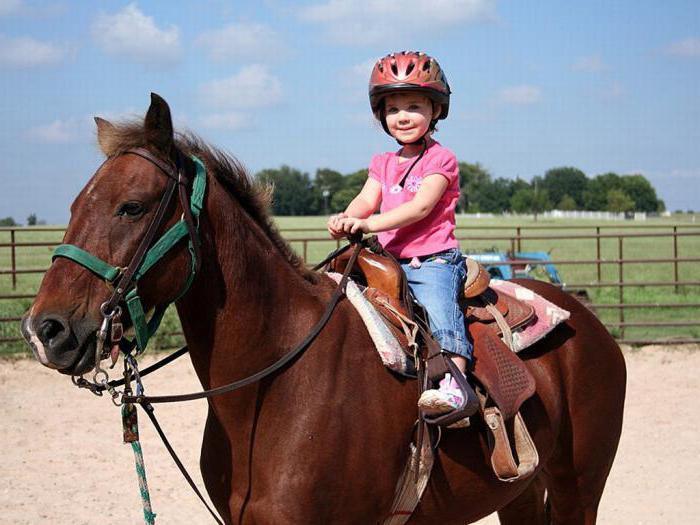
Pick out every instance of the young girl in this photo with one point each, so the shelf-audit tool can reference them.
(418, 189)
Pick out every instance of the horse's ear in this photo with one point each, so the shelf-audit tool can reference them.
(105, 130)
(158, 125)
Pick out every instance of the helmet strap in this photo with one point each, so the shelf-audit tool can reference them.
(420, 156)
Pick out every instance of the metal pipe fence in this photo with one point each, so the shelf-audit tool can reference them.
(515, 240)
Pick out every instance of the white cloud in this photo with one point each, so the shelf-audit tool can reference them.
(131, 34)
(520, 95)
(362, 22)
(8, 7)
(28, 52)
(252, 42)
(688, 48)
(226, 121)
(59, 131)
(253, 86)
(589, 64)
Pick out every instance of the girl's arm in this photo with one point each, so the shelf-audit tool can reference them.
(367, 201)
(431, 189)
(362, 206)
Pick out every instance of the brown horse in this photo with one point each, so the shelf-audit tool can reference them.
(325, 439)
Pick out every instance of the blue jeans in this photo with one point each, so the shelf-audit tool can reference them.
(437, 285)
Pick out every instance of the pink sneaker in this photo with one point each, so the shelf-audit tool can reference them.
(443, 399)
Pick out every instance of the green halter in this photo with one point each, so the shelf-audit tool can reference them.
(145, 329)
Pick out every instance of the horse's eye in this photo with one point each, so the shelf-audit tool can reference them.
(130, 209)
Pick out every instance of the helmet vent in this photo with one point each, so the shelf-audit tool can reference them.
(426, 65)
(394, 69)
(410, 68)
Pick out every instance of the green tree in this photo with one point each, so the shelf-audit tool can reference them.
(352, 184)
(474, 180)
(518, 184)
(355, 180)
(326, 183)
(619, 201)
(640, 190)
(530, 200)
(492, 196)
(521, 201)
(341, 199)
(293, 192)
(8, 221)
(595, 198)
(32, 220)
(565, 181)
(567, 203)
(540, 202)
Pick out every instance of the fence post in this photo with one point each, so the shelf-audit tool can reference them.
(597, 242)
(675, 257)
(305, 244)
(621, 287)
(517, 232)
(14, 259)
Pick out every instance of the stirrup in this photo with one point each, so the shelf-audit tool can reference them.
(470, 401)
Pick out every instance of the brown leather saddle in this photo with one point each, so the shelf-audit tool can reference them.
(504, 382)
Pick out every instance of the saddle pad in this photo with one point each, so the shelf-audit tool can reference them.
(547, 314)
(388, 347)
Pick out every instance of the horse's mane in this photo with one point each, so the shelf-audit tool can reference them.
(253, 197)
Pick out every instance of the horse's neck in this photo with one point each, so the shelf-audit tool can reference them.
(248, 304)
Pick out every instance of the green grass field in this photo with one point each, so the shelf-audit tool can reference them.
(474, 234)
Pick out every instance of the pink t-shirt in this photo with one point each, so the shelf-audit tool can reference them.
(434, 233)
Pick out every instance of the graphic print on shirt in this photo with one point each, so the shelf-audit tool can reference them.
(413, 183)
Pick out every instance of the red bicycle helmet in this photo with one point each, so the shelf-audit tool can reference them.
(408, 71)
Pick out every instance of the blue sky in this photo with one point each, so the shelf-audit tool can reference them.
(600, 85)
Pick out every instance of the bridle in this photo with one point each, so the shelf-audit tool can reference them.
(125, 291)
(124, 281)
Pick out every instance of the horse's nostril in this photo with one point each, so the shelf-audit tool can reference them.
(50, 328)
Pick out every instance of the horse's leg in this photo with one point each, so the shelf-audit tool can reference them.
(577, 473)
(215, 462)
(528, 508)
(593, 384)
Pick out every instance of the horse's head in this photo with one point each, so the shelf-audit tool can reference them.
(110, 218)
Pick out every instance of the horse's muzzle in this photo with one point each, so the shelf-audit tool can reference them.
(61, 343)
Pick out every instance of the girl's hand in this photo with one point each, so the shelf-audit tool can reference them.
(334, 225)
(354, 225)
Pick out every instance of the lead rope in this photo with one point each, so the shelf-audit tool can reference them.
(130, 426)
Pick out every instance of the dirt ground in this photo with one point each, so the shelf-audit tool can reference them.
(63, 460)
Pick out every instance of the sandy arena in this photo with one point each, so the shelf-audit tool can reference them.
(64, 461)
